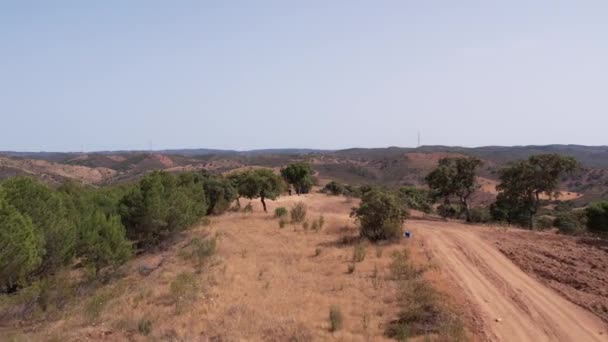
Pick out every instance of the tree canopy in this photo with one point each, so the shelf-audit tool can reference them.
(523, 183)
(299, 175)
(380, 215)
(454, 177)
(259, 183)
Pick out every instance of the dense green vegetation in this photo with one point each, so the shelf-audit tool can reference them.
(298, 175)
(380, 215)
(523, 183)
(597, 217)
(44, 230)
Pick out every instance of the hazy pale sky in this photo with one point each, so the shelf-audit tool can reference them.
(100, 75)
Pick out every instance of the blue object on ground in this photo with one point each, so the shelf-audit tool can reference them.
(407, 234)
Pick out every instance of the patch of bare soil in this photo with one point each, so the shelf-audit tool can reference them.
(575, 267)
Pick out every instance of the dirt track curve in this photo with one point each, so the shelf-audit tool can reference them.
(512, 305)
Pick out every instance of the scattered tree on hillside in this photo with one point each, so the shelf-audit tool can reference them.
(219, 192)
(380, 215)
(454, 177)
(524, 182)
(299, 175)
(262, 183)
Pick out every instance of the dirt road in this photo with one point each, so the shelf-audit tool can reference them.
(513, 305)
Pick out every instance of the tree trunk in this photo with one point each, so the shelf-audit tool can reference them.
(467, 212)
(263, 203)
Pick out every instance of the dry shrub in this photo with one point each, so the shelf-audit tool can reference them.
(401, 267)
(359, 252)
(183, 291)
(248, 208)
(336, 319)
(298, 212)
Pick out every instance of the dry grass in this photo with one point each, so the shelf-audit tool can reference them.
(263, 283)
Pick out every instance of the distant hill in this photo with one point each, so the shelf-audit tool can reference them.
(391, 166)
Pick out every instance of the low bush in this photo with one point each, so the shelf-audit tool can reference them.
(202, 250)
(314, 226)
(401, 267)
(597, 217)
(567, 223)
(282, 222)
(298, 212)
(336, 319)
(333, 188)
(248, 208)
(380, 215)
(449, 211)
(280, 212)
(480, 215)
(420, 310)
(144, 327)
(544, 222)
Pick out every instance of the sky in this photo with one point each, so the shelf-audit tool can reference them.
(109, 75)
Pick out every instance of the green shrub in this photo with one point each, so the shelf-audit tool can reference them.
(544, 222)
(333, 188)
(359, 252)
(280, 212)
(321, 222)
(298, 212)
(305, 225)
(380, 215)
(597, 217)
(335, 318)
(317, 251)
(282, 222)
(567, 223)
(248, 208)
(480, 215)
(314, 226)
(160, 205)
(417, 199)
(351, 268)
(103, 241)
(449, 210)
